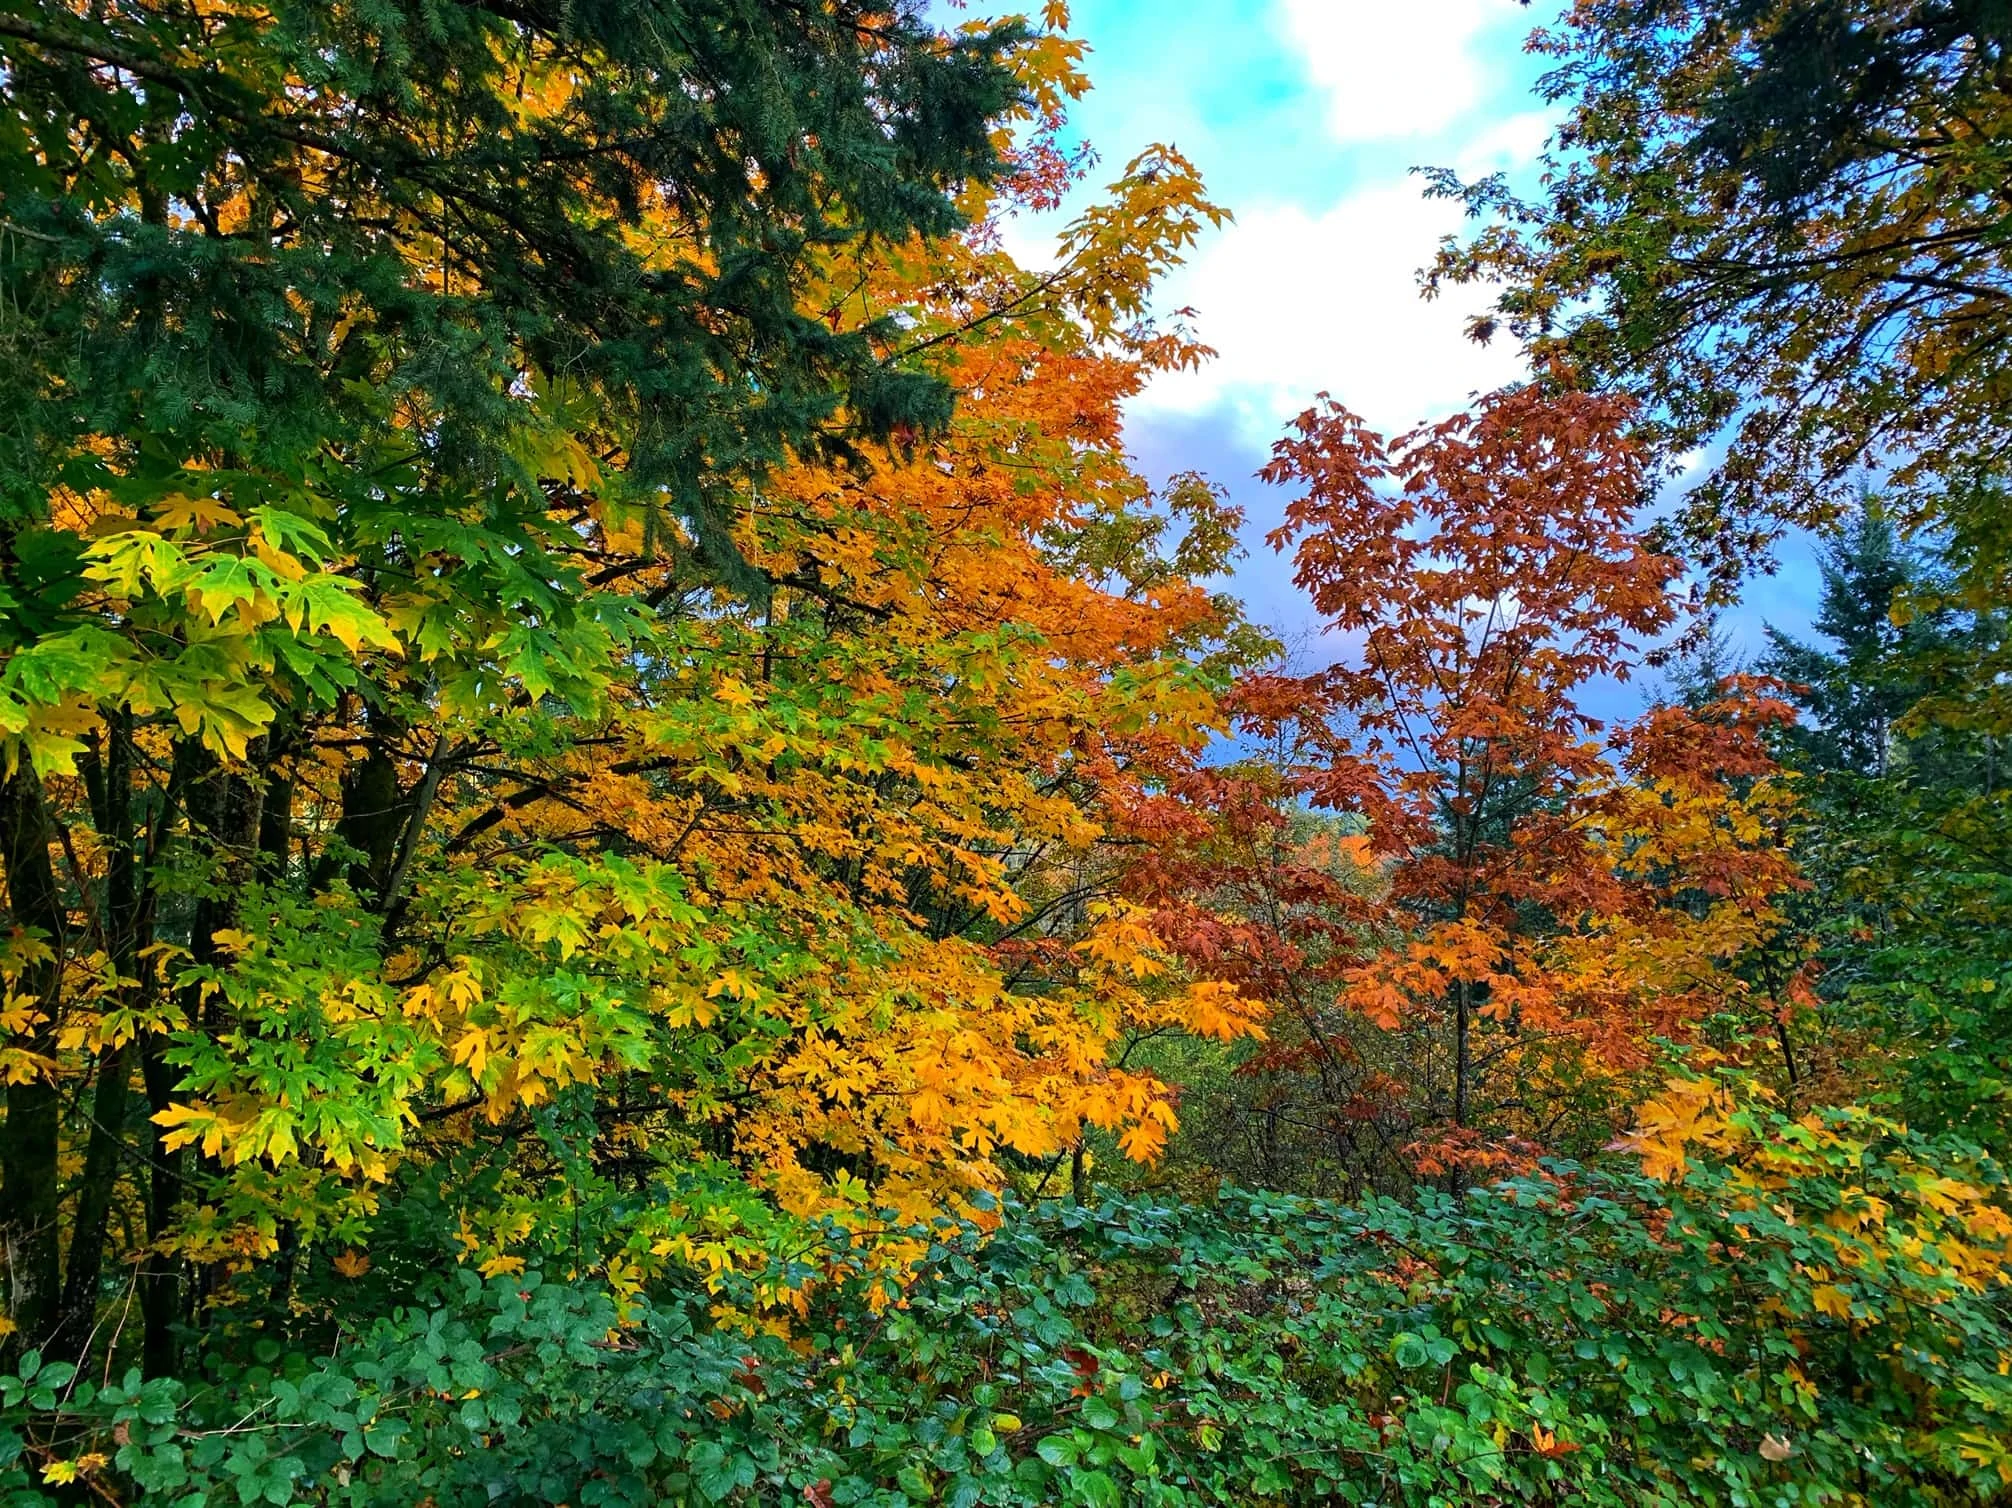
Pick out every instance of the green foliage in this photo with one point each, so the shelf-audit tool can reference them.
(1874, 663)
(1906, 836)
(1780, 224)
(224, 260)
(347, 344)
(1775, 1329)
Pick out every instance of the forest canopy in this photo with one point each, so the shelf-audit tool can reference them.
(643, 865)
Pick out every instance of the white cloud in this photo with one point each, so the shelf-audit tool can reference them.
(1509, 144)
(1296, 303)
(1393, 68)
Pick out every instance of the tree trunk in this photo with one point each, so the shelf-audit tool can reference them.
(77, 1313)
(225, 820)
(1462, 1051)
(373, 812)
(30, 1205)
(160, 1276)
(121, 921)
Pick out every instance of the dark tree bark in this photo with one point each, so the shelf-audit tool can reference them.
(29, 1191)
(108, 1149)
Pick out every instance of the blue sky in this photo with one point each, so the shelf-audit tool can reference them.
(1306, 117)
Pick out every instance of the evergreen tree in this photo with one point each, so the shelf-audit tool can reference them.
(344, 342)
(1697, 673)
(1855, 692)
(1778, 225)
(261, 234)
(1905, 841)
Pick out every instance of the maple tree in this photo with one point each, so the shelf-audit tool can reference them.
(1551, 897)
(289, 292)
(460, 799)
(610, 778)
(1777, 225)
(1276, 900)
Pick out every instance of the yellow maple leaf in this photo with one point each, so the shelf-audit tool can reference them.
(471, 1050)
(198, 514)
(1143, 1141)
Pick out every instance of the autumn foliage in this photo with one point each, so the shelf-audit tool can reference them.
(641, 865)
(1539, 899)
(487, 804)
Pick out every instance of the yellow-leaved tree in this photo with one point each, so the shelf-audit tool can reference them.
(616, 789)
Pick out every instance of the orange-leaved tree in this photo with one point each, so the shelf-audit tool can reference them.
(815, 907)
(1553, 894)
(599, 826)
